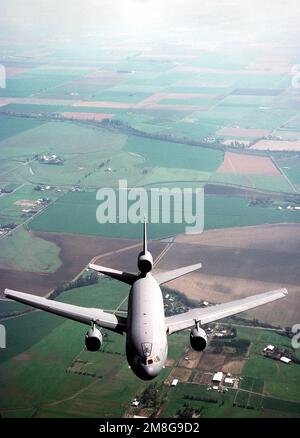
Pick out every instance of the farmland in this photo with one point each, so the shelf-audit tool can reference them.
(76, 213)
(78, 377)
(177, 109)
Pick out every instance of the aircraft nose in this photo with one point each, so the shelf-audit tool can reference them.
(151, 370)
(147, 372)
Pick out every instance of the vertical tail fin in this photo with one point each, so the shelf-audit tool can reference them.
(145, 260)
(145, 236)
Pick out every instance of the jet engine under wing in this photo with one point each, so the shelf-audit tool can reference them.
(208, 314)
(164, 277)
(85, 315)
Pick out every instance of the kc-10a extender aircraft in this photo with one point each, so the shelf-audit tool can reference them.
(145, 324)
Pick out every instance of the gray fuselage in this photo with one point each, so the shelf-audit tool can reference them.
(146, 343)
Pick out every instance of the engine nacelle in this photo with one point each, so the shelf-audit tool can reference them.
(93, 339)
(198, 339)
(145, 262)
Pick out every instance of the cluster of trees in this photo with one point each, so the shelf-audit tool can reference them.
(151, 397)
(260, 202)
(187, 411)
(253, 322)
(81, 281)
(180, 302)
(167, 136)
(240, 345)
(207, 399)
(9, 226)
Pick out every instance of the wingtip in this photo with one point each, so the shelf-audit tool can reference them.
(94, 267)
(285, 291)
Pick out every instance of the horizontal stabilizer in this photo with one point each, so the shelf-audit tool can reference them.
(164, 277)
(125, 277)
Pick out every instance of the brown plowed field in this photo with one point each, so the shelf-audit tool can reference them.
(241, 262)
(277, 145)
(248, 164)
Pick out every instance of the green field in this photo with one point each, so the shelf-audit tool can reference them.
(11, 126)
(83, 150)
(25, 252)
(272, 118)
(174, 155)
(10, 207)
(255, 181)
(29, 84)
(291, 167)
(76, 213)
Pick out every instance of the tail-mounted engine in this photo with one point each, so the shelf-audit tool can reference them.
(145, 262)
(198, 338)
(93, 339)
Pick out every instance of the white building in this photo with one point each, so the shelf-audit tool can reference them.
(135, 402)
(217, 377)
(269, 348)
(174, 382)
(229, 380)
(285, 359)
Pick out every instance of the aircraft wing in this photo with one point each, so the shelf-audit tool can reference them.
(85, 315)
(164, 277)
(209, 314)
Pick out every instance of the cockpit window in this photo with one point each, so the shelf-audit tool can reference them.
(146, 360)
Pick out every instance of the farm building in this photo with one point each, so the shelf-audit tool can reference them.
(229, 381)
(217, 377)
(285, 359)
(269, 348)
